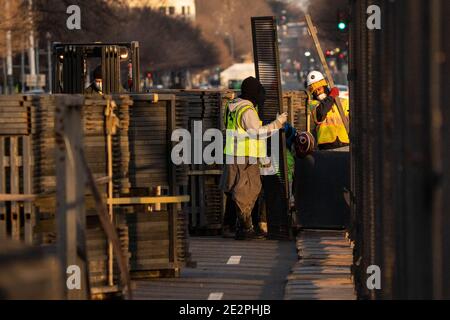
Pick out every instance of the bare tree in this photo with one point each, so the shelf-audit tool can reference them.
(227, 23)
(14, 19)
(97, 17)
(166, 43)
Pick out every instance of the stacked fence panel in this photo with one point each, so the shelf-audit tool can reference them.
(294, 103)
(399, 133)
(267, 65)
(199, 111)
(141, 160)
(158, 236)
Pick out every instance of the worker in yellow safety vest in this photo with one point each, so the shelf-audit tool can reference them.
(244, 149)
(330, 130)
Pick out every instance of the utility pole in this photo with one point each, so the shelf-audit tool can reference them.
(38, 71)
(31, 55)
(5, 90)
(49, 62)
(9, 63)
(22, 67)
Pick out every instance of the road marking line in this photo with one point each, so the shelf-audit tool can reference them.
(215, 296)
(234, 260)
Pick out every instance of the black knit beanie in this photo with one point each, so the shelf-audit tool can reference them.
(253, 91)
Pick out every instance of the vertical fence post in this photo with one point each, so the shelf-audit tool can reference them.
(439, 151)
(14, 188)
(27, 165)
(70, 181)
(172, 208)
(110, 128)
(3, 230)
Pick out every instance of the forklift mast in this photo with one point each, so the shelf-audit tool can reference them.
(70, 66)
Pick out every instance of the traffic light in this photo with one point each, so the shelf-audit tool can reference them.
(342, 20)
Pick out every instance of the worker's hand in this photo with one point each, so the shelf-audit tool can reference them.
(334, 93)
(328, 102)
(282, 118)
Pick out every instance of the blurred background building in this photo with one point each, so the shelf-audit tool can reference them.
(176, 8)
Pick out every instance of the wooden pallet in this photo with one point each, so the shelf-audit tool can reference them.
(294, 103)
(16, 218)
(106, 293)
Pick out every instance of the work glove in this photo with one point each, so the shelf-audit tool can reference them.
(282, 119)
(334, 93)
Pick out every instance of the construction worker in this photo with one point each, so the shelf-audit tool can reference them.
(241, 176)
(96, 87)
(330, 130)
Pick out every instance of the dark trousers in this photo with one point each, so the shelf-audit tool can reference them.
(230, 216)
(232, 212)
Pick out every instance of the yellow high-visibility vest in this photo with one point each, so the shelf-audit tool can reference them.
(238, 142)
(332, 127)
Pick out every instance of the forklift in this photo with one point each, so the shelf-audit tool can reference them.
(74, 62)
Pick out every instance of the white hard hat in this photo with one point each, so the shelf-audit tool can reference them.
(315, 80)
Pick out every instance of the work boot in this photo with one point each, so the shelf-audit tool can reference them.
(249, 234)
(239, 230)
(262, 229)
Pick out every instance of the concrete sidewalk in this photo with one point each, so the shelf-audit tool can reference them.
(227, 270)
